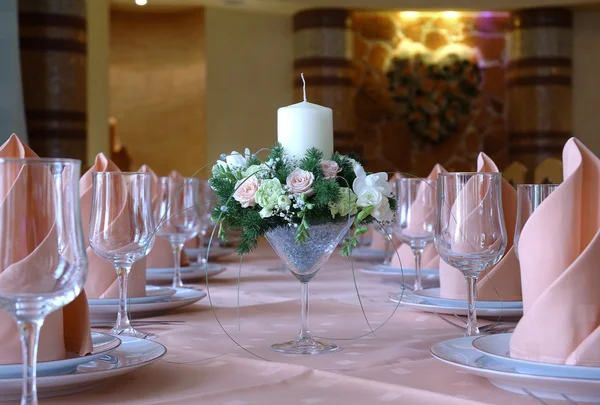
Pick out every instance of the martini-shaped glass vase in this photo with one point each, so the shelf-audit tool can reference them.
(304, 261)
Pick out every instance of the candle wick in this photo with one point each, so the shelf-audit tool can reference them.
(303, 86)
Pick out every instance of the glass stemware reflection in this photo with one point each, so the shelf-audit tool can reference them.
(470, 234)
(529, 198)
(388, 231)
(122, 230)
(42, 237)
(178, 216)
(416, 217)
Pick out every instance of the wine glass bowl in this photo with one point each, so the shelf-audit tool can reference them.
(470, 234)
(41, 241)
(122, 230)
(529, 198)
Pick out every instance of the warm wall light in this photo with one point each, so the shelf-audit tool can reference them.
(450, 14)
(409, 14)
(141, 2)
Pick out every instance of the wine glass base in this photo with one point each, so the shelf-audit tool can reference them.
(131, 332)
(305, 346)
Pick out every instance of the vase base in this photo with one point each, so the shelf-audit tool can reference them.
(305, 346)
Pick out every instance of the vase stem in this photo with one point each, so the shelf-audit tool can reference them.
(304, 330)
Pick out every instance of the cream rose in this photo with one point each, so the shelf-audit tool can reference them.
(245, 191)
(300, 182)
(330, 168)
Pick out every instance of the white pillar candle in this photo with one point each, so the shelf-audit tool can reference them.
(303, 126)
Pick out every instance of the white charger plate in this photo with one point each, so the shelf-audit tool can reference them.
(397, 272)
(102, 343)
(461, 353)
(132, 354)
(153, 294)
(433, 296)
(215, 252)
(413, 301)
(368, 254)
(156, 275)
(181, 298)
(498, 347)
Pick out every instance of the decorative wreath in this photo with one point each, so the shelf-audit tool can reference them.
(435, 90)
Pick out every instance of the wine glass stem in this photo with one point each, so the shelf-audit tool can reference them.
(418, 253)
(472, 327)
(202, 259)
(304, 331)
(30, 334)
(177, 248)
(123, 322)
(386, 261)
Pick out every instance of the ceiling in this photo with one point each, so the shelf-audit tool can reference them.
(292, 6)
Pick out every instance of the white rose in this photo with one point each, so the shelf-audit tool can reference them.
(378, 181)
(369, 197)
(300, 182)
(382, 212)
(284, 203)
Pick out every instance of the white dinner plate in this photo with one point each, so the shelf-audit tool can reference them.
(102, 343)
(153, 294)
(198, 273)
(411, 300)
(498, 347)
(132, 354)
(433, 296)
(461, 353)
(215, 252)
(397, 272)
(368, 254)
(181, 298)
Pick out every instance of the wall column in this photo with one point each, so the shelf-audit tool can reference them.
(53, 66)
(538, 86)
(12, 113)
(323, 52)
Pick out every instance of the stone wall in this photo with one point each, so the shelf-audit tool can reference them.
(388, 144)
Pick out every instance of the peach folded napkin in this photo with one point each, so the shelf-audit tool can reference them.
(430, 259)
(559, 250)
(65, 330)
(503, 281)
(102, 279)
(161, 255)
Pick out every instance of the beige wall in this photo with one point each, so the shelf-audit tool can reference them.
(249, 74)
(157, 85)
(586, 85)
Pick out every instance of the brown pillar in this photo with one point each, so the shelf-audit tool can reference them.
(538, 86)
(53, 67)
(323, 52)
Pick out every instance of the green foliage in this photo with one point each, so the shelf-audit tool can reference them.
(312, 162)
(326, 191)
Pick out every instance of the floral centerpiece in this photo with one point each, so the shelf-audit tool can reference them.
(256, 196)
(434, 89)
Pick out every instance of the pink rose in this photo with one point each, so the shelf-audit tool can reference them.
(300, 181)
(330, 168)
(245, 191)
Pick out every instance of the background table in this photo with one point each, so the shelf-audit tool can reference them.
(204, 366)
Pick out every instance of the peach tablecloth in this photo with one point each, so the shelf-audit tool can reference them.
(203, 366)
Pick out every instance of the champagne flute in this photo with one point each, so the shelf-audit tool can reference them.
(178, 215)
(42, 241)
(470, 234)
(416, 218)
(529, 198)
(122, 230)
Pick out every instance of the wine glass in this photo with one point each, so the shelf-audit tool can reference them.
(177, 215)
(529, 197)
(208, 202)
(122, 230)
(416, 218)
(41, 241)
(388, 231)
(470, 234)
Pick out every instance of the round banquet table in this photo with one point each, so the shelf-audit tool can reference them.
(204, 366)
